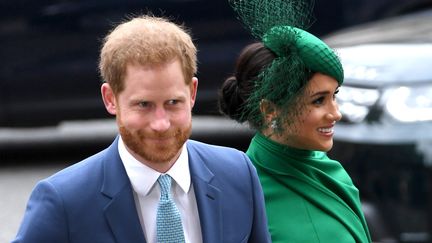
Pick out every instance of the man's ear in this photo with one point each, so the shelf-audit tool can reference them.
(193, 90)
(109, 99)
(268, 110)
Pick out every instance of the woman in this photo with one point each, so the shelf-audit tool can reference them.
(285, 88)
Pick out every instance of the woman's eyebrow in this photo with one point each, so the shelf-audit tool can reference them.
(320, 93)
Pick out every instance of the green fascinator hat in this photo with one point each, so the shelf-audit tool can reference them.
(280, 25)
(316, 55)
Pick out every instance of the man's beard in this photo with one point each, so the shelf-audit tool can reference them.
(151, 152)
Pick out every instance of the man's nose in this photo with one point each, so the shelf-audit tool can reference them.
(160, 121)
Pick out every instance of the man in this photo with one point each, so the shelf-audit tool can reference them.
(148, 64)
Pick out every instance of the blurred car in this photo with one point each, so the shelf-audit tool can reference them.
(50, 49)
(385, 136)
(338, 14)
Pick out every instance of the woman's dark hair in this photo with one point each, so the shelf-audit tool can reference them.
(236, 89)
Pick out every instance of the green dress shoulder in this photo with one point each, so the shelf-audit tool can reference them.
(309, 197)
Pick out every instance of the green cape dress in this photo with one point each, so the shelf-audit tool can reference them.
(309, 197)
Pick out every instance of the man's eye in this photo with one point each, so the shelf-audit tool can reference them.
(173, 102)
(144, 104)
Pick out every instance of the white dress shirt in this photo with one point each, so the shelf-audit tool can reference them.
(147, 194)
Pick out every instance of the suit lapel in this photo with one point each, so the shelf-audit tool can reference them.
(120, 212)
(207, 196)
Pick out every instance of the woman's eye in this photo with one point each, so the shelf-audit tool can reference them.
(335, 93)
(318, 101)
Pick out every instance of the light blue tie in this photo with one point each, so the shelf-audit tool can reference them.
(169, 227)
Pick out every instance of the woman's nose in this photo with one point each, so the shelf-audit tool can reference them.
(334, 113)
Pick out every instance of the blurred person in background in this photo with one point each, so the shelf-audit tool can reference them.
(284, 87)
(149, 64)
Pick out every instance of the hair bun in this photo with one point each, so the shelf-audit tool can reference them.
(230, 101)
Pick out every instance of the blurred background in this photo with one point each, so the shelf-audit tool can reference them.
(51, 113)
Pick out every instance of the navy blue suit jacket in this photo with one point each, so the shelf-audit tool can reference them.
(92, 201)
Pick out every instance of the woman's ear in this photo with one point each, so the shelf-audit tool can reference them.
(269, 110)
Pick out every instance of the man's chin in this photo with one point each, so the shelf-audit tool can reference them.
(154, 149)
(161, 143)
(159, 155)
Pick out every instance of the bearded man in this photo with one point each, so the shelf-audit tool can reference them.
(153, 184)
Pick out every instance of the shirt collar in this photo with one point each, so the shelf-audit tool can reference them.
(143, 178)
(180, 170)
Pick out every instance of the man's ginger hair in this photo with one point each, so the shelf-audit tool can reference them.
(147, 41)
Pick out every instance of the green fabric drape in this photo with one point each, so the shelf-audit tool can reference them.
(309, 197)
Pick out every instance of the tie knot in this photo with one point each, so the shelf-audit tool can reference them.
(165, 184)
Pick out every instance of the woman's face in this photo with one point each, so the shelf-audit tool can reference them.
(312, 128)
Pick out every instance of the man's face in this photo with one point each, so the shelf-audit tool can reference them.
(154, 111)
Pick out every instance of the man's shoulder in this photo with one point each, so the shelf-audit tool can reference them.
(90, 165)
(80, 172)
(215, 156)
(211, 148)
